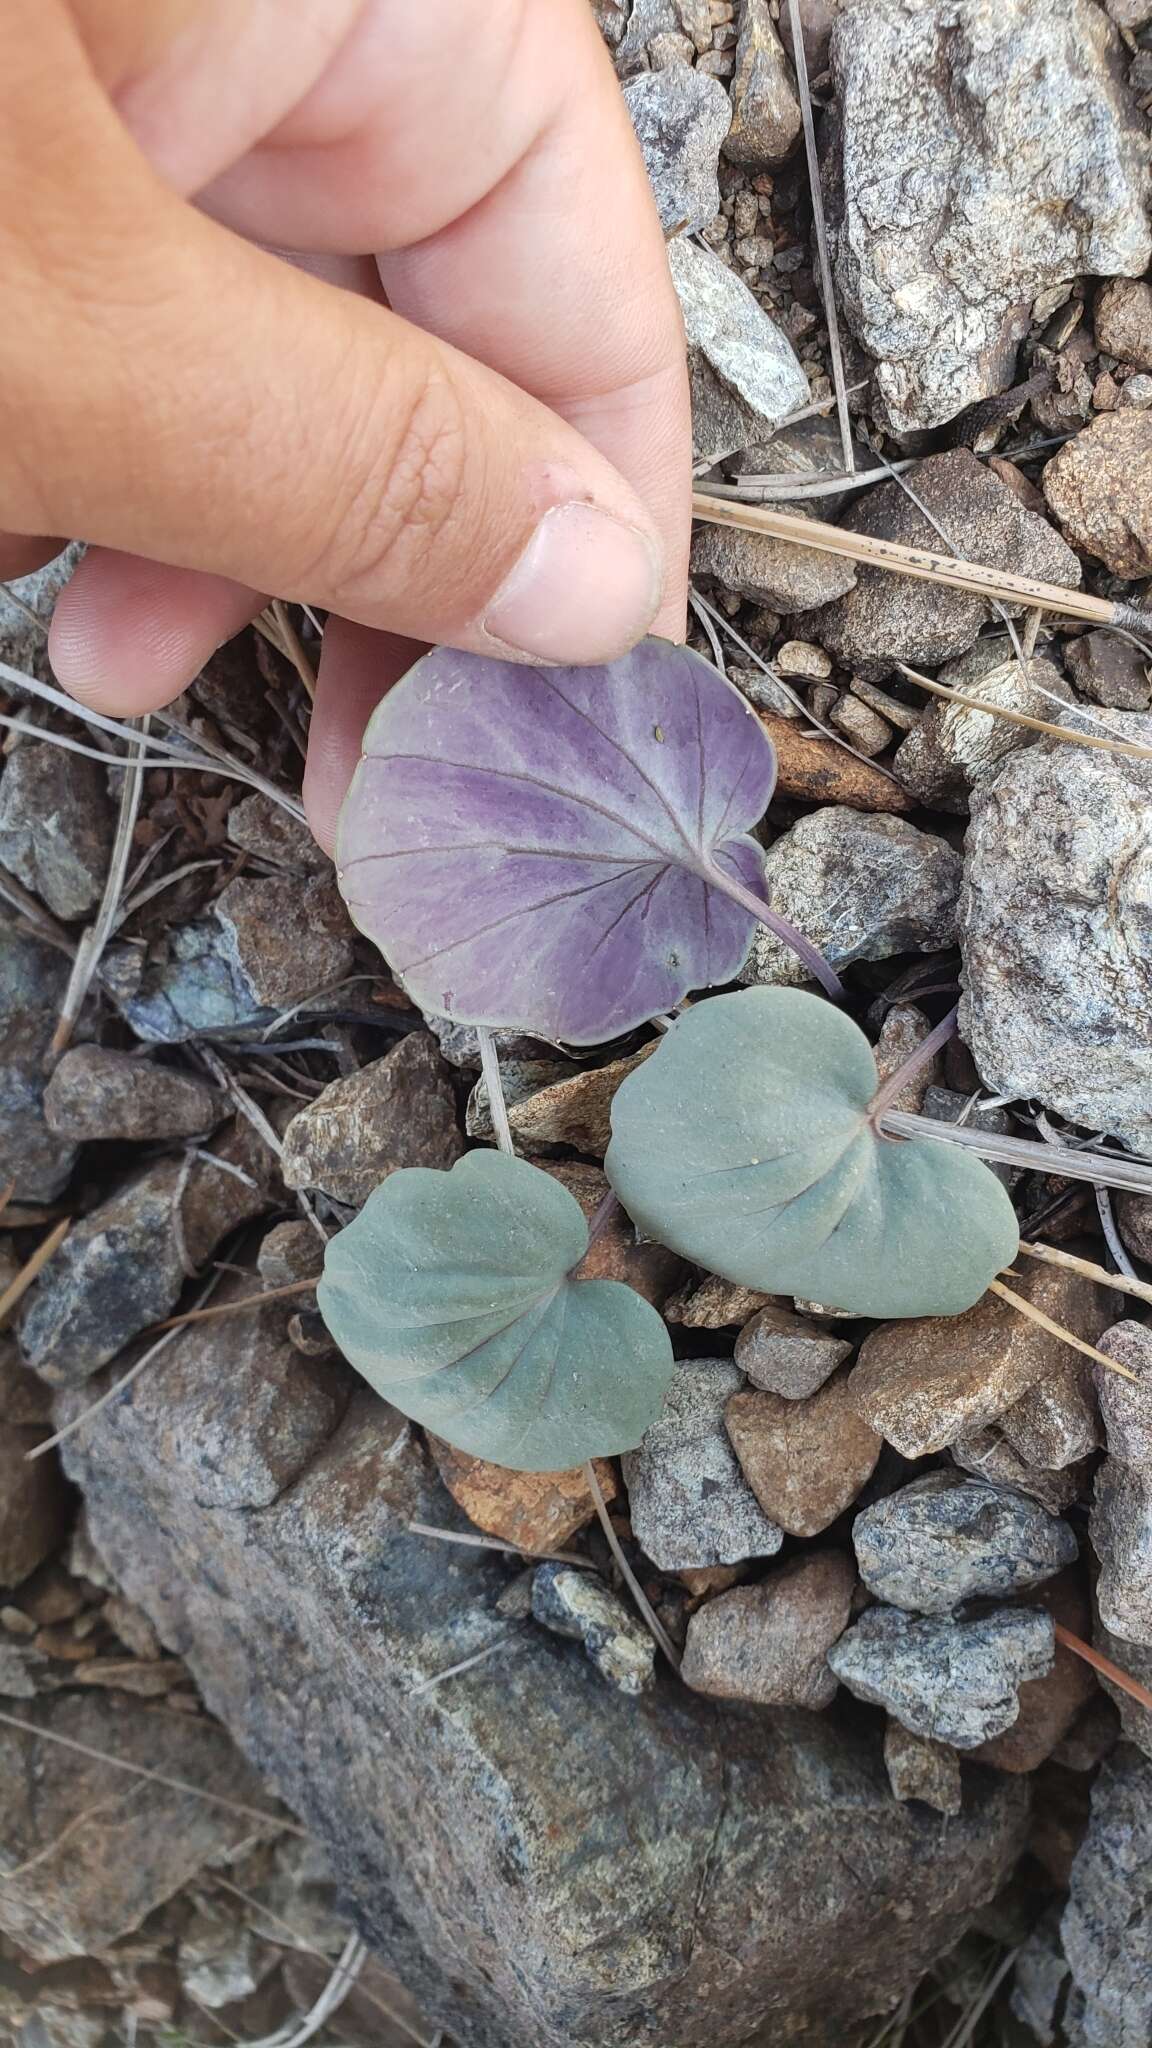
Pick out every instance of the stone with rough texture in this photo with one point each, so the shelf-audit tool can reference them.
(575, 1111)
(519, 1079)
(981, 152)
(651, 1269)
(93, 1850)
(1126, 1405)
(577, 1604)
(820, 771)
(770, 572)
(921, 1769)
(690, 1503)
(886, 619)
(262, 827)
(56, 826)
(860, 888)
(1107, 1924)
(1098, 487)
(990, 1456)
(926, 1381)
(1123, 315)
(120, 1268)
(1048, 1705)
(288, 939)
(537, 1510)
(545, 1864)
(190, 985)
(954, 748)
(1056, 932)
(903, 1031)
(33, 978)
(943, 1539)
(805, 1461)
(24, 638)
(1057, 1422)
(35, 1504)
(765, 111)
(745, 374)
(716, 1305)
(1121, 1530)
(951, 1680)
(783, 1353)
(97, 1093)
(397, 1111)
(1134, 1221)
(290, 1252)
(816, 19)
(1039, 1976)
(1135, 1660)
(1110, 671)
(769, 1643)
(681, 118)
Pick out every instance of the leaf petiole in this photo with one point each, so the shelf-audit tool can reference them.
(818, 967)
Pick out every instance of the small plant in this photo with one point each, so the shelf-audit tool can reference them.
(567, 852)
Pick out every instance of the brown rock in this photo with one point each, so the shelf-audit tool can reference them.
(921, 1769)
(56, 826)
(765, 113)
(783, 1353)
(926, 1381)
(703, 1581)
(35, 1503)
(805, 1461)
(148, 1680)
(1124, 321)
(1099, 485)
(991, 1457)
(1112, 672)
(716, 1305)
(537, 1510)
(24, 1399)
(1134, 1220)
(576, 1112)
(1048, 1705)
(1057, 1422)
(289, 938)
(904, 1029)
(649, 1268)
(264, 828)
(821, 772)
(290, 1252)
(397, 1111)
(867, 731)
(95, 1093)
(769, 1643)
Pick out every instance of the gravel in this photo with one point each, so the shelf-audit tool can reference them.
(943, 1540)
(950, 1680)
(691, 1505)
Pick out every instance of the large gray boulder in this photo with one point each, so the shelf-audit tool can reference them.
(547, 1863)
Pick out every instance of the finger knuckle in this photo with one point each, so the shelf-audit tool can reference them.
(410, 498)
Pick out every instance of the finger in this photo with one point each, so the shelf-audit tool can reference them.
(357, 668)
(128, 634)
(21, 553)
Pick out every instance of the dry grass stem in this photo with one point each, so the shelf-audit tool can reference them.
(1059, 732)
(1055, 1329)
(1102, 1169)
(499, 1543)
(464, 1664)
(233, 1308)
(94, 939)
(828, 293)
(293, 647)
(1121, 1283)
(16, 1289)
(1105, 1666)
(654, 1624)
(490, 1068)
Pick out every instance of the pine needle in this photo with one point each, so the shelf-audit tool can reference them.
(1069, 733)
(828, 292)
(1055, 1329)
(1120, 1283)
(16, 1289)
(1105, 1667)
(90, 951)
(655, 1625)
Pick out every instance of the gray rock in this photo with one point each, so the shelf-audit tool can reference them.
(808, 449)
(1038, 1979)
(574, 1603)
(1135, 1660)
(194, 989)
(690, 1504)
(290, 1252)
(1107, 1924)
(645, 20)
(886, 618)
(943, 1539)
(288, 939)
(681, 118)
(787, 1354)
(1057, 1422)
(1110, 671)
(769, 1643)
(1121, 1531)
(87, 1851)
(989, 1456)
(33, 978)
(35, 1504)
(220, 1960)
(120, 1269)
(980, 154)
(94, 1093)
(26, 607)
(953, 748)
(1134, 1221)
(861, 887)
(920, 1769)
(770, 572)
(266, 830)
(398, 1111)
(744, 372)
(765, 111)
(950, 1680)
(545, 1863)
(1055, 928)
(18, 1662)
(1125, 1404)
(56, 826)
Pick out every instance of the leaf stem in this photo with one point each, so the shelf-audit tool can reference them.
(490, 1068)
(653, 1621)
(818, 967)
(894, 1086)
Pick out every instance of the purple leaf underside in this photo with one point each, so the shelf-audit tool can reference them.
(529, 848)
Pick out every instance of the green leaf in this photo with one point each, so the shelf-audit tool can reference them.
(744, 1144)
(452, 1293)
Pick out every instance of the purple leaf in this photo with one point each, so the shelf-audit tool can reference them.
(548, 850)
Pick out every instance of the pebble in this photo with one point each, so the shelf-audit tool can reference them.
(943, 1539)
(56, 826)
(33, 978)
(1099, 486)
(575, 1111)
(1136, 394)
(618, 1254)
(980, 155)
(990, 1456)
(953, 748)
(951, 1680)
(1057, 1422)
(904, 1029)
(35, 1503)
(769, 571)
(816, 22)
(397, 1111)
(263, 828)
(716, 1304)
(536, 1510)
(1123, 321)
(926, 1381)
(1110, 671)
(1126, 1407)
(886, 619)
(744, 373)
(769, 1643)
(765, 111)
(574, 1603)
(1120, 1526)
(905, 717)
(919, 1768)
(1107, 1925)
(668, 49)
(1054, 932)
(681, 118)
(288, 1253)
(98, 1093)
(766, 692)
(783, 1353)
(288, 939)
(519, 1079)
(805, 1461)
(801, 658)
(690, 1503)
(1048, 1705)
(867, 731)
(860, 888)
(1134, 1221)
(1039, 1977)
(820, 771)
(189, 986)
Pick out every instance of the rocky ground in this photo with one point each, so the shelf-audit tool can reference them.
(363, 1720)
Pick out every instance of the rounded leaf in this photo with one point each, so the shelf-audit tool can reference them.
(452, 1293)
(530, 847)
(744, 1144)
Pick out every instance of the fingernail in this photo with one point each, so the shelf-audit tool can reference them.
(585, 589)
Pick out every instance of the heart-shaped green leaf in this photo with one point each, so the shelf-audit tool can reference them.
(744, 1143)
(453, 1294)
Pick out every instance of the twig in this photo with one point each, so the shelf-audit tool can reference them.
(498, 1543)
(16, 1289)
(93, 941)
(251, 1111)
(1107, 745)
(294, 2033)
(966, 2025)
(800, 61)
(655, 1625)
(1121, 1283)
(490, 1068)
(797, 486)
(232, 1308)
(34, 913)
(465, 1664)
(1104, 1666)
(1055, 1329)
(1104, 1169)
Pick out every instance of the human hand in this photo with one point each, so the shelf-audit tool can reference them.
(465, 420)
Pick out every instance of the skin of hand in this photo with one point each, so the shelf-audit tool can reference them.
(457, 413)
